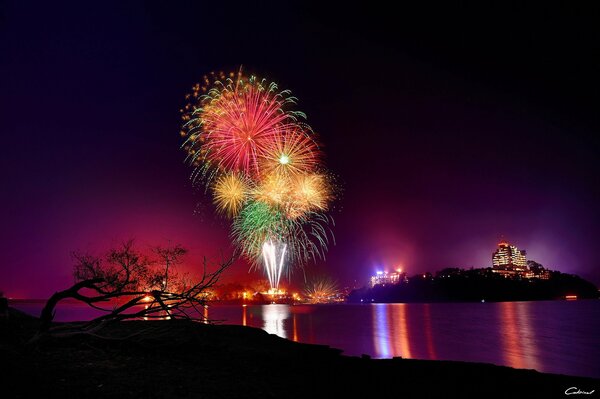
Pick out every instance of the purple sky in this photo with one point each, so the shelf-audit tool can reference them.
(445, 133)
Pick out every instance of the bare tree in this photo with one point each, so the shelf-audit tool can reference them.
(126, 284)
(169, 256)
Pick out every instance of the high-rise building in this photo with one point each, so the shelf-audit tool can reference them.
(509, 260)
(383, 278)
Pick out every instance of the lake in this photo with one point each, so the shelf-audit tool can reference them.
(548, 336)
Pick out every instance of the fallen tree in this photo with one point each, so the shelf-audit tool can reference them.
(127, 284)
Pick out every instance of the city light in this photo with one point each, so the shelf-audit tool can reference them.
(382, 278)
(510, 261)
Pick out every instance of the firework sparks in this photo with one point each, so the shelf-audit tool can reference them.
(263, 164)
(230, 193)
(274, 257)
(236, 122)
(292, 153)
(256, 224)
(311, 193)
(321, 290)
(297, 196)
(274, 189)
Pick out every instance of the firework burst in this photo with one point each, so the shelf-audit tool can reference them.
(292, 153)
(256, 224)
(321, 290)
(264, 166)
(297, 195)
(230, 192)
(274, 189)
(233, 126)
(311, 193)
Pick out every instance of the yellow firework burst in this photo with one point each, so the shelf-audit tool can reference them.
(230, 193)
(292, 153)
(312, 191)
(295, 195)
(274, 189)
(321, 290)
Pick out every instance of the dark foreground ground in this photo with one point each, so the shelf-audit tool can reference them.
(173, 359)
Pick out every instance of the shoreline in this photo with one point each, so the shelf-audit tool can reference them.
(185, 359)
(253, 303)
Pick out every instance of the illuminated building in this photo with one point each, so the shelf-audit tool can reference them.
(509, 260)
(382, 278)
(537, 271)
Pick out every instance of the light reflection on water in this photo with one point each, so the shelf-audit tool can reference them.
(428, 332)
(273, 318)
(549, 336)
(518, 335)
(381, 330)
(390, 331)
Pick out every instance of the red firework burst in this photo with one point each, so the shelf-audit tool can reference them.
(240, 122)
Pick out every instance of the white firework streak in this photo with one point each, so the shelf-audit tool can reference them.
(273, 266)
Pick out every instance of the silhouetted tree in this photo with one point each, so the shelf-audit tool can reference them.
(135, 285)
(3, 305)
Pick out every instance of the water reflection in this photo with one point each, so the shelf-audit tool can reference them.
(295, 328)
(428, 332)
(390, 330)
(381, 331)
(550, 336)
(273, 317)
(518, 336)
(399, 313)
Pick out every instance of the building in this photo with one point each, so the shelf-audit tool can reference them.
(536, 270)
(509, 261)
(382, 278)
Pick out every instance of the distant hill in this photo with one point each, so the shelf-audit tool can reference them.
(476, 285)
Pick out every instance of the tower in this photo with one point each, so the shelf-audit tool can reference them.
(508, 259)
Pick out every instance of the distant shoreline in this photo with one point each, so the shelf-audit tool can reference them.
(476, 285)
(241, 303)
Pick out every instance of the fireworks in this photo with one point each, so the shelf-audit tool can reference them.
(274, 263)
(274, 189)
(230, 193)
(297, 196)
(311, 193)
(237, 122)
(257, 223)
(263, 164)
(321, 290)
(291, 153)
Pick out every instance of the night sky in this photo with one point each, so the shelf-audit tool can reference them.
(447, 129)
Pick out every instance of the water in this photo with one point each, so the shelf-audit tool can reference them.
(549, 336)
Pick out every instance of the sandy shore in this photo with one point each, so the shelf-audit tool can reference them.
(178, 359)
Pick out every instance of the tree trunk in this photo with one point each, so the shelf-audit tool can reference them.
(48, 311)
